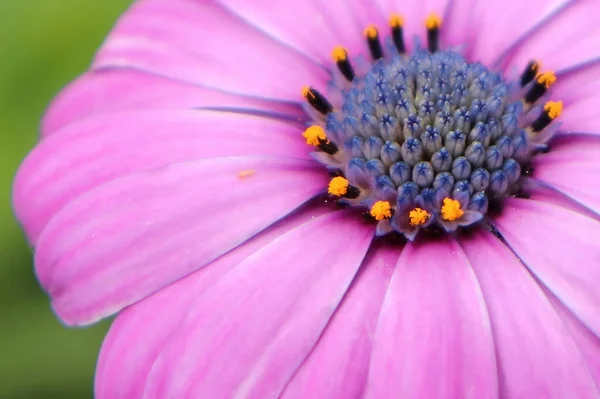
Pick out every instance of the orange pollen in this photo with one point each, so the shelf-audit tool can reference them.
(243, 174)
(433, 21)
(338, 186)
(546, 79)
(554, 109)
(315, 135)
(371, 32)
(451, 210)
(418, 217)
(306, 93)
(339, 54)
(396, 21)
(381, 210)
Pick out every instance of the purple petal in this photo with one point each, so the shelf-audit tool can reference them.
(570, 38)
(252, 330)
(338, 365)
(577, 85)
(560, 248)
(202, 43)
(579, 89)
(124, 89)
(132, 236)
(572, 168)
(312, 27)
(537, 357)
(587, 342)
(459, 24)
(433, 338)
(129, 351)
(502, 23)
(91, 152)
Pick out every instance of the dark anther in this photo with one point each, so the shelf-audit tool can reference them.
(530, 72)
(433, 37)
(539, 87)
(552, 110)
(343, 63)
(317, 100)
(536, 91)
(353, 192)
(374, 43)
(433, 23)
(346, 69)
(327, 146)
(541, 122)
(396, 23)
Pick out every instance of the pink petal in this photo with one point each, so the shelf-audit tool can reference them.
(569, 38)
(311, 27)
(560, 248)
(503, 24)
(201, 42)
(579, 87)
(588, 343)
(537, 357)
(129, 351)
(89, 153)
(134, 235)
(572, 168)
(459, 24)
(433, 338)
(324, 25)
(338, 365)
(124, 89)
(581, 117)
(251, 331)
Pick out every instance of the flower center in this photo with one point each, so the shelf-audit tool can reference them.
(426, 139)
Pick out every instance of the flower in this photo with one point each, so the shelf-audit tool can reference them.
(173, 184)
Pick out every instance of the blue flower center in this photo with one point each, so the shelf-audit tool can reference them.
(427, 139)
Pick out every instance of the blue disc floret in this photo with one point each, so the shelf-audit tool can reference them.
(426, 139)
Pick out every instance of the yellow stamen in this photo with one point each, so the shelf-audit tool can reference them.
(433, 21)
(339, 54)
(306, 93)
(396, 21)
(418, 216)
(381, 210)
(338, 186)
(546, 79)
(315, 135)
(451, 210)
(371, 32)
(243, 174)
(554, 109)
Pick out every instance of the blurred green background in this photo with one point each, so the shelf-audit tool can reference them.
(43, 45)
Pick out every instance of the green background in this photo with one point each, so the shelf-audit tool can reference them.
(43, 45)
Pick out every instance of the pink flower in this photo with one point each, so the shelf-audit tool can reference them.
(173, 184)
